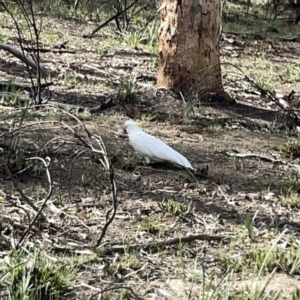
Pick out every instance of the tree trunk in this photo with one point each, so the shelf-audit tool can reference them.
(189, 56)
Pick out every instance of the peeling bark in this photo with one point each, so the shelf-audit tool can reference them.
(189, 55)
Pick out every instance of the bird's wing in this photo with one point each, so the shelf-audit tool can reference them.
(149, 146)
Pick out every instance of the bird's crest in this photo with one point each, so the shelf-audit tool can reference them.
(131, 122)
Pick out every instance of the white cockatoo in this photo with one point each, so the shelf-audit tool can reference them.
(151, 148)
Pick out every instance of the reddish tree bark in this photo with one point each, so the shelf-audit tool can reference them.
(189, 36)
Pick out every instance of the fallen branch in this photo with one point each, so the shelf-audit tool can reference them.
(258, 36)
(19, 226)
(154, 246)
(46, 50)
(104, 105)
(295, 167)
(253, 155)
(109, 20)
(161, 244)
(24, 59)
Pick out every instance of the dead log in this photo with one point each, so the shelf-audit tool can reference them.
(24, 59)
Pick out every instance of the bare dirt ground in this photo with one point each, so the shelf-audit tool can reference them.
(218, 205)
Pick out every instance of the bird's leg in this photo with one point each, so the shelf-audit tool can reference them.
(147, 161)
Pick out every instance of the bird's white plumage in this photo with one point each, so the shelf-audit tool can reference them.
(152, 148)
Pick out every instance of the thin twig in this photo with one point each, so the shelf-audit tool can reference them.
(46, 163)
(16, 186)
(253, 155)
(116, 288)
(27, 10)
(109, 20)
(111, 213)
(268, 93)
(161, 244)
(262, 157)
(267, 283)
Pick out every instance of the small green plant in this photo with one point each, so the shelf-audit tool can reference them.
(36, 277)
(276, 42)
(266, 259)
(187, 108)
(151, 224)
(291, 199)
(133, 39)
(146, 118)
(291, 149)
(211, 290)
(264, 85)
(62, 11)
(150, 35)
(70, 79)
(283, 185)
(263, 258)
(126, 92)
(214, 128)
(4, 38)
(113, 120)
(262, 53)
(173, 119)
(130, 260)
(248, 51)
(176, 208)
(11, 88)
(292, 73)
(102, 50)
(295, 295)
(189, 176)
(294, 256)
(188, 112)
(38, 191)
(187, 128)
(130, 159)
(248, 223)
(293, 179)
(227, 260)
(237, 163)
(49, 37)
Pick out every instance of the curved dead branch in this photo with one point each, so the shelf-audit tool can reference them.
(46, 163)
(161, 244)
(30, 62)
